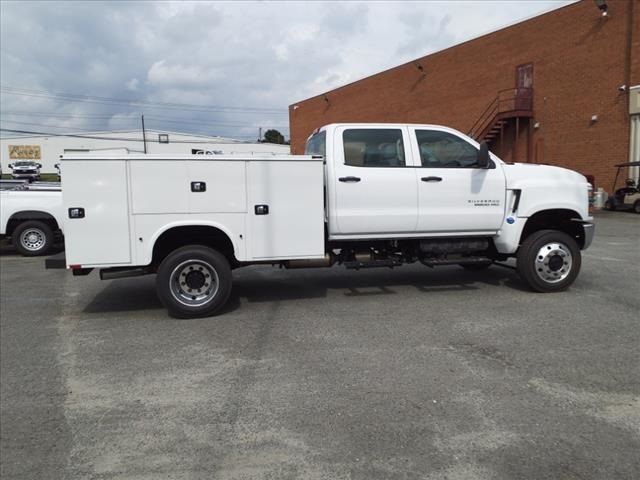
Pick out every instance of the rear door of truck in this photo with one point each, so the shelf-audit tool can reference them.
(374, 185)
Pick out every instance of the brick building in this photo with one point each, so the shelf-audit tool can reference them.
(562, 88)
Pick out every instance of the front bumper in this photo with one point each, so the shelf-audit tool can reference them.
(25, 175)
(589, 231)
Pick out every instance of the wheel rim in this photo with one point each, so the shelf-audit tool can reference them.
(553, 262)
(194, 283)
(33, 239)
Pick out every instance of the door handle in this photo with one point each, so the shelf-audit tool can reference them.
(431, 179)
(349, 179)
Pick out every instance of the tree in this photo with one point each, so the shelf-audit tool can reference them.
(273, 136)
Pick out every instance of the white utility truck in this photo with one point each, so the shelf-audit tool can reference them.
(31, 215)
(363, 195)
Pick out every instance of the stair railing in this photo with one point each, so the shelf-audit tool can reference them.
(510, 99)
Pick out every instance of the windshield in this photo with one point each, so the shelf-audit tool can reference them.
(316, 145)
(24, 164)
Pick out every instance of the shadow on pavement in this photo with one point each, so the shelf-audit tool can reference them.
(139, 293)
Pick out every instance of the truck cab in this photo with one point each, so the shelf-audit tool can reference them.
(408, 181)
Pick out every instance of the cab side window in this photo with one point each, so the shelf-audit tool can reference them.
(379, 147)
(445, 150)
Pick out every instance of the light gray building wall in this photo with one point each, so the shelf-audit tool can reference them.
(47, 149)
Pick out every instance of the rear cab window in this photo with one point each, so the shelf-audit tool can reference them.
(377, 148)
(317, 144)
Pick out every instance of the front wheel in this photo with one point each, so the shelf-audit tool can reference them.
(636, 206)
(194, 281)
(549, 261)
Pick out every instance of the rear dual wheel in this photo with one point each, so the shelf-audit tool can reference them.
(194, 281)
(549, 261)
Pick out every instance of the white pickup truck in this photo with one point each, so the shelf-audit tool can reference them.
(31, 215)
(363, 195)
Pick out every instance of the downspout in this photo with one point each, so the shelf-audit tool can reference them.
(627, 82)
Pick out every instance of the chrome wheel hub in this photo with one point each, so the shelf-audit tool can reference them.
(194, 283)
(553, 262)
(33, 239)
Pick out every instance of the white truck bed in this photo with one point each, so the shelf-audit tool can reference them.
(130, 201)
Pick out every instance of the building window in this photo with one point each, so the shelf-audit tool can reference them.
(376, 147)
(163, 138)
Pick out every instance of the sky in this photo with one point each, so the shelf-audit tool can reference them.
(215, 68)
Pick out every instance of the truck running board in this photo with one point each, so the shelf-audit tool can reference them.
(436, 262)
(122, 272)
(356, 265)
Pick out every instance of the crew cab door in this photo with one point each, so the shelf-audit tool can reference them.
(454, 195)
(375, 190)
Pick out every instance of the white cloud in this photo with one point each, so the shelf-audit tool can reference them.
(245, 54)
(133, 84)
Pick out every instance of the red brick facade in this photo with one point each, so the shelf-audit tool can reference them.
(580, 59)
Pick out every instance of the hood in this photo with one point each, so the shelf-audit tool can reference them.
(531, 173)
(545, 187)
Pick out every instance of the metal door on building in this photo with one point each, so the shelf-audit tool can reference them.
(524, 86)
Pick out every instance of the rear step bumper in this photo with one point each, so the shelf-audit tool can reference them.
(58, 260)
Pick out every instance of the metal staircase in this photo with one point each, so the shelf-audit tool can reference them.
(509, 105)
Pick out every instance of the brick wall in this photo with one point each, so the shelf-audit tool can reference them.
(579, 61)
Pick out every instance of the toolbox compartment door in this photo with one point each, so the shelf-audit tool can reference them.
(101, 236)
(286, 209)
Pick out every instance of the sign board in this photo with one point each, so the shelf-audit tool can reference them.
(24, 152)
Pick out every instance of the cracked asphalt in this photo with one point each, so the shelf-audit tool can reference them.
(409, 373)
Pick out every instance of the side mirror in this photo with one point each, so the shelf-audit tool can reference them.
(483, 155)
(10, 166)
(39, 165)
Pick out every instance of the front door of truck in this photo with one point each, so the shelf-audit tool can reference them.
(454, 195)
(375, 189)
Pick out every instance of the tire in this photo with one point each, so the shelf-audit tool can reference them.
(194, 281)
(33, 238)
(636, 206)
(549, 261)
(609, 205)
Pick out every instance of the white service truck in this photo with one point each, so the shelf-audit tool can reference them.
(31, 215)
(363, 195)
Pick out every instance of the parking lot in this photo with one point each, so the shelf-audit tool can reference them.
(327, 374)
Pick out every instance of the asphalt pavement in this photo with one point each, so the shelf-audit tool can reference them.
(409, 373)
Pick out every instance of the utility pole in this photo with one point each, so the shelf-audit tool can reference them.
(259, 134)
(144, 136)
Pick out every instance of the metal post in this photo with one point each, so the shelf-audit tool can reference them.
(515, 145)
(144, 136)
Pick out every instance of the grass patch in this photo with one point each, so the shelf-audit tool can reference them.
(44, 177)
